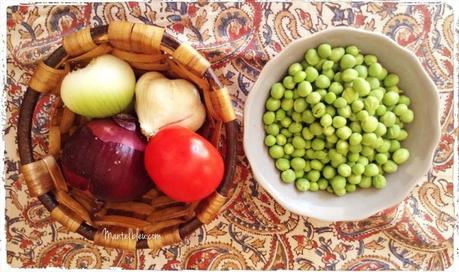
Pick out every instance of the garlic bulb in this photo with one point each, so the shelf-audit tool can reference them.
(161, 101)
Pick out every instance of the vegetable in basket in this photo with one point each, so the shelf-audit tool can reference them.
(103, 88)
(105, 156)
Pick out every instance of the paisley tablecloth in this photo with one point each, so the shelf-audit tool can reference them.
(253, 231)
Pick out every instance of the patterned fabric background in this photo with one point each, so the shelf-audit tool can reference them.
(253, 232)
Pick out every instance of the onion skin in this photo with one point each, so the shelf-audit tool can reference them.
(106, 157)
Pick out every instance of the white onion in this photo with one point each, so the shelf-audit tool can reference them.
(103, 88)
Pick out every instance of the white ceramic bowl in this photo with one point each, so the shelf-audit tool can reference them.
(423, 133)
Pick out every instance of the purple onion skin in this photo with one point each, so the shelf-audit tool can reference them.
(106, 157)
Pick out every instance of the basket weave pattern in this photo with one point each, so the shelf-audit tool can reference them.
(145, 48)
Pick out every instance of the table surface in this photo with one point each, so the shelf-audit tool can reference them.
(253, 231)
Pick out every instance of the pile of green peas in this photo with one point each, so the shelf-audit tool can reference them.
(336, 122)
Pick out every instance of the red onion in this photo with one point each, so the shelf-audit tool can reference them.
(105, 156)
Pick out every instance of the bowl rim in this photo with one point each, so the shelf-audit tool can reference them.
(425, 165)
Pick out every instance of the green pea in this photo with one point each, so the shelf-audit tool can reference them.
(299, 105)
(288, 82)
(324, 50)
(390, 98)
(281, 139)
(358, 169)
(347, 61)
(390, 167)
(296, 116)
(362, 160)
(332, 138)
(327, 65)
(307, 134)
(374, 82)
(320, 155)
(394, 146)
(270, 140)
(295, 127)
(323, 184)
(288, 94)
(298, 163)
(381, 158)
(299, 76)
(316, 129)
(336, 54)
(359, 59)
(326, 120)
(384, 147)
(344, 132)
(286, 104)
(314, 187)
(344, 170)
(380, 110)
(316, 165)
(355, 179)
(375, 69)
(311, 74)
(365, 182)
(391, 80)
(322, 82)
(288, 176)
(298, 142)
(302, 184)
(353, 157)
(355, 139)
(380, 130)
(400, 156)
(350, 188)
(357, 106)
(313, 175)
(282, 164)
(336, 88)
(407, 116)
(338, 121)
(353, 50)
(404, 100)
(328, 172)
(371, 104)
(340, 102)
(393, 89)
(280, 114)
(297, 153)
(330, 98)
(378, 93)
(342, 147)
(276, 151)
(286, 122)
(313, 98)
(328, 73)
(310, 154)
(307, 117)
(340, 192)
(371, 170)
(273, 129)
(345, 111)
(349, 75)
(299, 174)
(277, 90)
(355, 127)
(288, 149)
(388, 119)
(272, 104)
(382, 74)
(350, 95)
(369, 124)
(393, 132)
(379, 181)
(362, 70)
(311, 57)
(367, 151)
(338, 182)
(361, 86)
(304, 88)
(294, 68)
(286, 132)
(402, 136)
(318, 110)
(370, 59)
(269, 117)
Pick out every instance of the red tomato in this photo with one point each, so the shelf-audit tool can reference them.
(183, 164)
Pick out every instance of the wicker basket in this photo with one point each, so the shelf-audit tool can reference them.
(146, 48)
